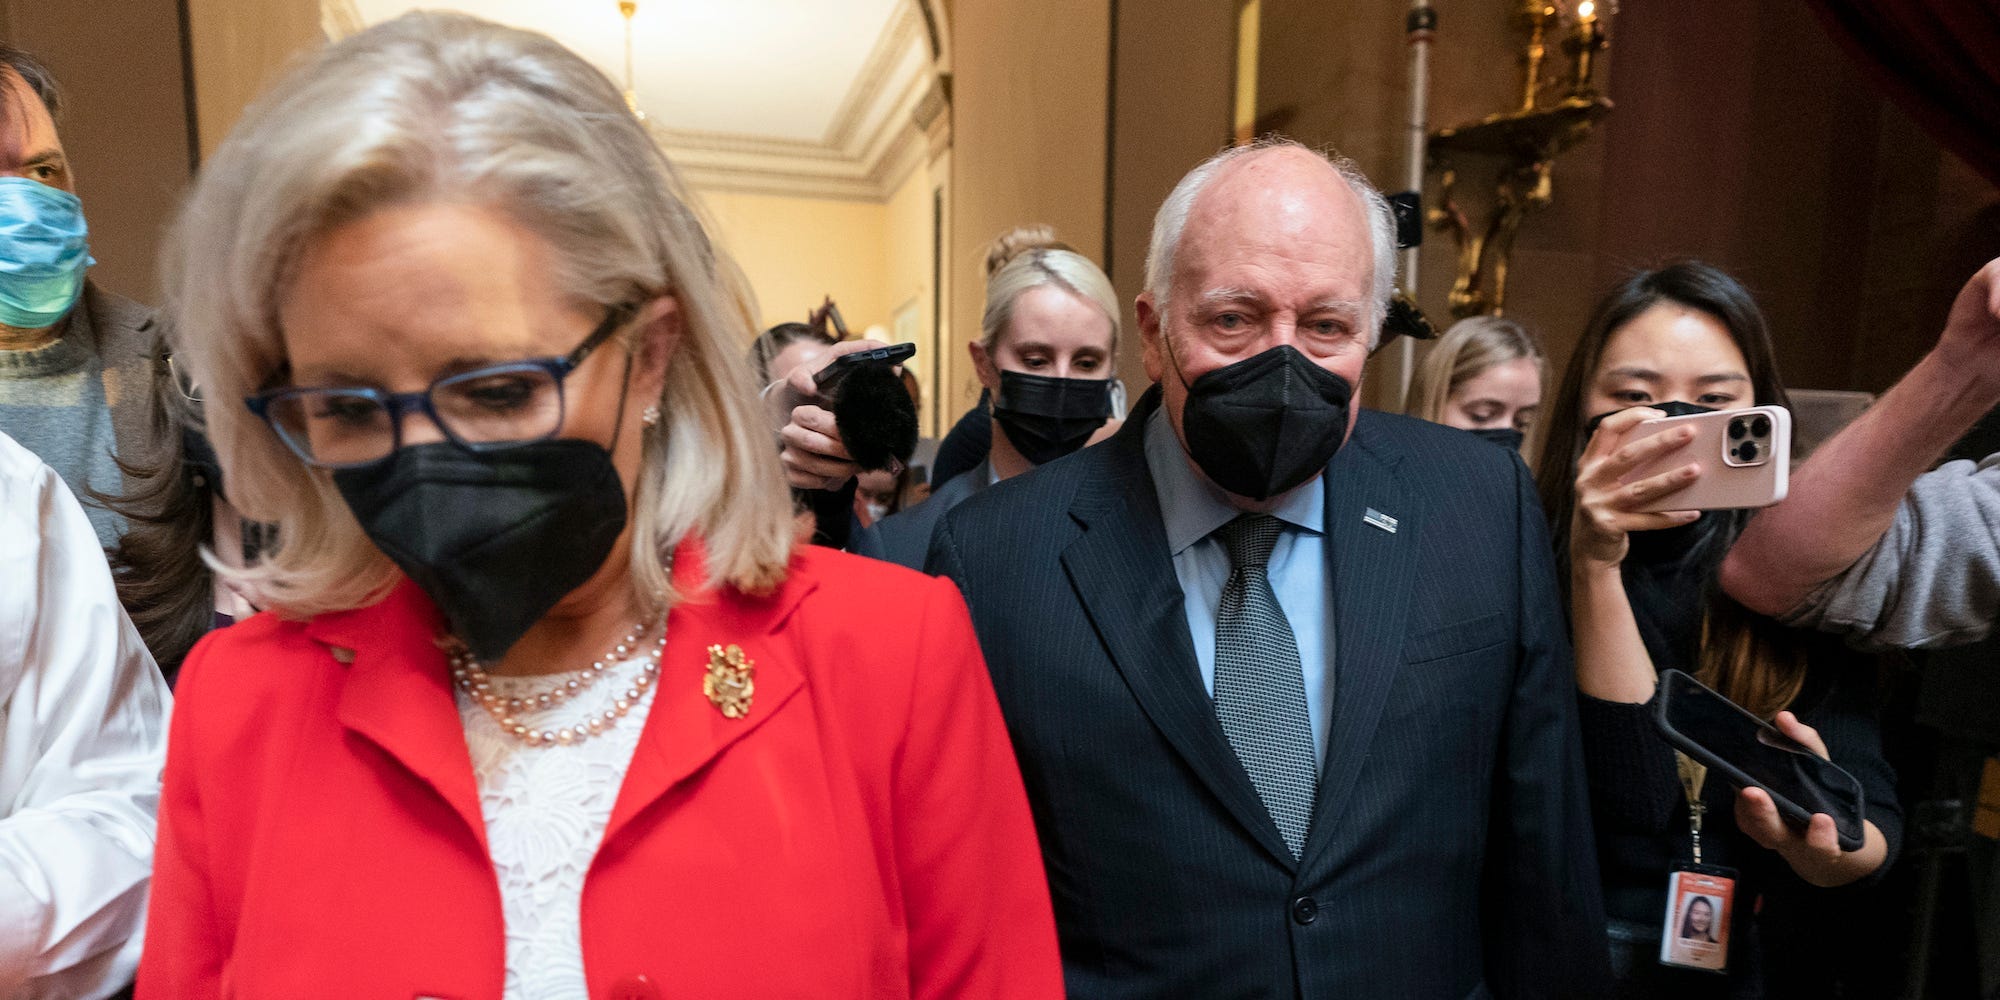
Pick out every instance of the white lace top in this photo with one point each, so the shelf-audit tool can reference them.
(545, 809)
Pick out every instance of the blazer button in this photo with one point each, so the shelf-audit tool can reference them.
(1304, 910)
(633, 988)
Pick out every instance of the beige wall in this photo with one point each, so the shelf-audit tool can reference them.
(1030, 95)
(796, 251)
(240, 47)
(125, 126)
(1171, 109)
(873, 258)
(907, 284)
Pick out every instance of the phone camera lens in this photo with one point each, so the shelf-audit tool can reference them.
(1737, 429)
(1747, 451)
(1760, 426)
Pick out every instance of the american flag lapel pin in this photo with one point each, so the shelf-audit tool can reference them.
(1376, 518)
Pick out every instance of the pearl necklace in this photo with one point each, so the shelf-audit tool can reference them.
(473, 679)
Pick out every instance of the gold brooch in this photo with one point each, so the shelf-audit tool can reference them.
(731, 681)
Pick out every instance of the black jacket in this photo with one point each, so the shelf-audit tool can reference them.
(904, 537)
(1450, 853)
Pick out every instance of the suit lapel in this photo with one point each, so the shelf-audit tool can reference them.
(1372, 570)
(397, 694)
(685, 730)
(1124, 576)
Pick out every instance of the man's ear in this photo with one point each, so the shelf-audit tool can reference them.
(1149, 335)
(984, 366)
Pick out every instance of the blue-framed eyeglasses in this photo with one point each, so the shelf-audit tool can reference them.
(485, 409)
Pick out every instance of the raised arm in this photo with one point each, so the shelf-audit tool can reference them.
(1845, 497)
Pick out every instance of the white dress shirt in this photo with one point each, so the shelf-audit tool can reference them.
(83, 732)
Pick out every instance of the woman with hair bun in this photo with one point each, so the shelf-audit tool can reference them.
(1048, 343)
(551, 705)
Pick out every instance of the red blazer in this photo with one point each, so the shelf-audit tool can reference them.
(861, 833)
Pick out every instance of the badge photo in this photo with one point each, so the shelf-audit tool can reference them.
(1700, 906)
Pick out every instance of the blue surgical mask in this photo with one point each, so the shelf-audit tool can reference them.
(44, 249)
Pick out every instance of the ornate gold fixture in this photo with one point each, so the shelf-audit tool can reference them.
(627, 8)
(1525, 142)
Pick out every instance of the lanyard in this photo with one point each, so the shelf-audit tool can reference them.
(1693, 775)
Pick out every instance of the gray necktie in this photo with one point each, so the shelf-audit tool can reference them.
(1260, 690)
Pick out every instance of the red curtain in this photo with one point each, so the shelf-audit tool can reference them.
(1938, 59)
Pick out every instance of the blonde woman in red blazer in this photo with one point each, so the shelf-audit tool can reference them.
(549, 706)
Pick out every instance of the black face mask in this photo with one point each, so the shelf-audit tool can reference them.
(1510, 438)
(495, 538)
(1048, 417)
(1267, 423)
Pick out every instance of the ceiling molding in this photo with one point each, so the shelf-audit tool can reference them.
(870, 147)
(885, 127)
(904, 32)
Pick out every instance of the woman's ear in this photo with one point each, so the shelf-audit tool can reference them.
(659, 339)
(984, 366)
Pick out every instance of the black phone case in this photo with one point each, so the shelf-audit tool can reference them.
(828, 379)
(1797, 815)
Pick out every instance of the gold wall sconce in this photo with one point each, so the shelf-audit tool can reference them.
(1556, 112)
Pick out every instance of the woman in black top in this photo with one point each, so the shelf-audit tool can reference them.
(1643, 598)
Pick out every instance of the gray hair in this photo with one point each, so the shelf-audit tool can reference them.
(1173, 216)
(444, 107)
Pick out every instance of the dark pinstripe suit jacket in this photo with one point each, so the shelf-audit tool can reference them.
(1450, 854)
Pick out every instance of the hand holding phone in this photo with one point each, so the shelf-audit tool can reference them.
(813, 454)
(1744, 458)
(1748, 752)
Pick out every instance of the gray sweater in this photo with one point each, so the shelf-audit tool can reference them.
(1933, 580)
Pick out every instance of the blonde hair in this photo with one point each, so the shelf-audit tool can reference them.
(1472, 347)
(1028, 257)
(445, 107)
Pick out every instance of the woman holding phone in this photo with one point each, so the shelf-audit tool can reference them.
(1688, 338)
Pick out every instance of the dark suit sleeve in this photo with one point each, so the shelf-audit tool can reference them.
(943, 558)
(868, 542)
(1544, 906)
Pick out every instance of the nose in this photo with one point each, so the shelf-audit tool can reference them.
(414, 424)
(419, 428)
(1283, 331)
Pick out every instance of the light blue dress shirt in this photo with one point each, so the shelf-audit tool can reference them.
(1192, 509)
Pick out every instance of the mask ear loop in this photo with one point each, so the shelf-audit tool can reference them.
(1169, 342)
(624, 390)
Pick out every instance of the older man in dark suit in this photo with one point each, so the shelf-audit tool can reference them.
(1288, 684)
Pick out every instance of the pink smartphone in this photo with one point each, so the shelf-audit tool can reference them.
(1745, 457)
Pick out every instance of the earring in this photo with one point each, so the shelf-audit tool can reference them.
(650, 416)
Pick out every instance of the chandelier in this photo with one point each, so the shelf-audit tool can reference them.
(627, 8)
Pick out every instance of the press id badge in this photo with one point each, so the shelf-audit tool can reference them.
(1701, 906)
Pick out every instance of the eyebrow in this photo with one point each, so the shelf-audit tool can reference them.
(343, 379)
(1220, 296)
(47, 157)
(1649, 375)
(1228, 294)
(1036, 345)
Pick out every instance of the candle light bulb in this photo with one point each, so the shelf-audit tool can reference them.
(1586, 11)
